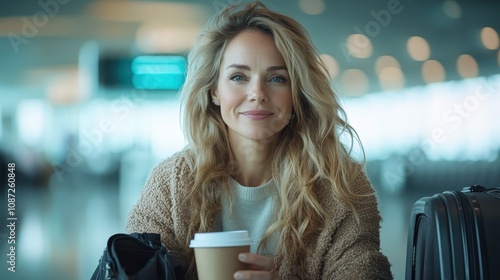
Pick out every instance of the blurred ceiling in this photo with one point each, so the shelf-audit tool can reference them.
(42, 38)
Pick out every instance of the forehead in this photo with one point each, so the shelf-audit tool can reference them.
(251, 46)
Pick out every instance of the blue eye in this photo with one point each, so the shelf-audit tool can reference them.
(278, 79)
(237, 77)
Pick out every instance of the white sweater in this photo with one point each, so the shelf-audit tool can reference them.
(253, 209)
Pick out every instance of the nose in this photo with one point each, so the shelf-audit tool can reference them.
(258, 92)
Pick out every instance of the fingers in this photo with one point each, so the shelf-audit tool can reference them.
(253, 275)
(263, 262)
(262, 267)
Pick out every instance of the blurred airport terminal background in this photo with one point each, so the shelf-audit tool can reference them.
(89, 104)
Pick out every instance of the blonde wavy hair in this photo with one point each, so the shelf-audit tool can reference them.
(308, 157)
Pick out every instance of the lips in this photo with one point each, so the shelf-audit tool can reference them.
(257, 114)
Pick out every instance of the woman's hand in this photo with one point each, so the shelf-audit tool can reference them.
(261, 267)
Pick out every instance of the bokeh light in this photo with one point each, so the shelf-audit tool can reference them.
(355, 82)
(418, 48)
(312, 7)
(433, 71)
(331, 65)
(452, 9)
(489, 38)
(467, 66)
(359, 45)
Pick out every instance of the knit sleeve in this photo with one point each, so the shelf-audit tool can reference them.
(355, 247)
(156, 210)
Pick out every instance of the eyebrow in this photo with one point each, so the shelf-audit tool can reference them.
(246, 67)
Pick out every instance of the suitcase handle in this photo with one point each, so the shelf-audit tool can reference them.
(474, 188)
(478, 188)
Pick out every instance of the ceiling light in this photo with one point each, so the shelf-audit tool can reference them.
(467, 66)
(163, 38)
(354, 81)
(489, 37)
(359, 46)
(391, 78)
(452, 9)
(498, 57)
(331, 65)
(312, 7)
(418, 48)
(433, 71)
(385, 61)
(146, 11)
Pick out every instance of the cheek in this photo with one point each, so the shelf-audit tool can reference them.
(230, 97)
(229, 101)
(286, 103)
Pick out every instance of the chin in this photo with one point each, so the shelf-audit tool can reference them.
(262, 135)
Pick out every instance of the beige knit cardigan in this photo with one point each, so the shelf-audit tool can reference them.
(344, 249)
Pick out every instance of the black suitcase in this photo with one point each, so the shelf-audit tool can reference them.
(455, 235)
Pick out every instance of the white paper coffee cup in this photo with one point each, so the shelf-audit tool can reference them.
(216, 253)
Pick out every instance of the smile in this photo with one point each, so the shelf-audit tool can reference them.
(257, 114)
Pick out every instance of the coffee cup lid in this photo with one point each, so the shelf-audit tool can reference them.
(221, 239)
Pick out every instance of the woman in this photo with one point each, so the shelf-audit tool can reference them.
(264, 154)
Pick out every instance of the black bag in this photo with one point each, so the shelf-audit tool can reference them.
(455, 235)
(138, 256)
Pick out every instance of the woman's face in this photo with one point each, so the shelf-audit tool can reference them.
(253, 90)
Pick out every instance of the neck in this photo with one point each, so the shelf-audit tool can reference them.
(253, 160)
